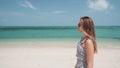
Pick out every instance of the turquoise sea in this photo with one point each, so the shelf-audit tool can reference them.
(55, 32)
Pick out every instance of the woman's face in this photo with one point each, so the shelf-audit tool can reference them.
(79, 27)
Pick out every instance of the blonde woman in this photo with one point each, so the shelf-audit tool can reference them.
(87, 46)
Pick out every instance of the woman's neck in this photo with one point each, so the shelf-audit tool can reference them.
(84, 34)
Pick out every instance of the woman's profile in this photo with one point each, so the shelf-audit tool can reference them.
(87, 46)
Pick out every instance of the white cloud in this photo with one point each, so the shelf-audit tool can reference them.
(99, 4)
(27, 4)
(58, 12)
(55, 12)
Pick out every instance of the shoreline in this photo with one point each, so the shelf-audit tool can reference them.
(101, 43)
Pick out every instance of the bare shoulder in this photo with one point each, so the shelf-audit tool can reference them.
(89, 43)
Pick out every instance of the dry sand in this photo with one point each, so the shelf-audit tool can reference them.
(51, 54)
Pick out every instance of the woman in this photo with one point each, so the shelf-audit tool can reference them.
(87, 45)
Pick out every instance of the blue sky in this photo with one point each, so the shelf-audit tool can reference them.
(58, 12)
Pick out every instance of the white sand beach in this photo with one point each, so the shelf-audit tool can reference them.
(51, 54)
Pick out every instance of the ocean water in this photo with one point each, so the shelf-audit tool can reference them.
(55, 32)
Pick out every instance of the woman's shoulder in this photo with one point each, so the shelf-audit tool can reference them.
(89, 41)
(86, 40)
(89, 44)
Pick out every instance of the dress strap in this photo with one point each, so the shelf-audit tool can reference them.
(83, 40)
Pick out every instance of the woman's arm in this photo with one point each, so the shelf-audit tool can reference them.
(90, 53)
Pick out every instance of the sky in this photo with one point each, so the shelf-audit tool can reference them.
(58, 12)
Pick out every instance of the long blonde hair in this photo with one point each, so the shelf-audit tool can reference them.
(88, 27)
